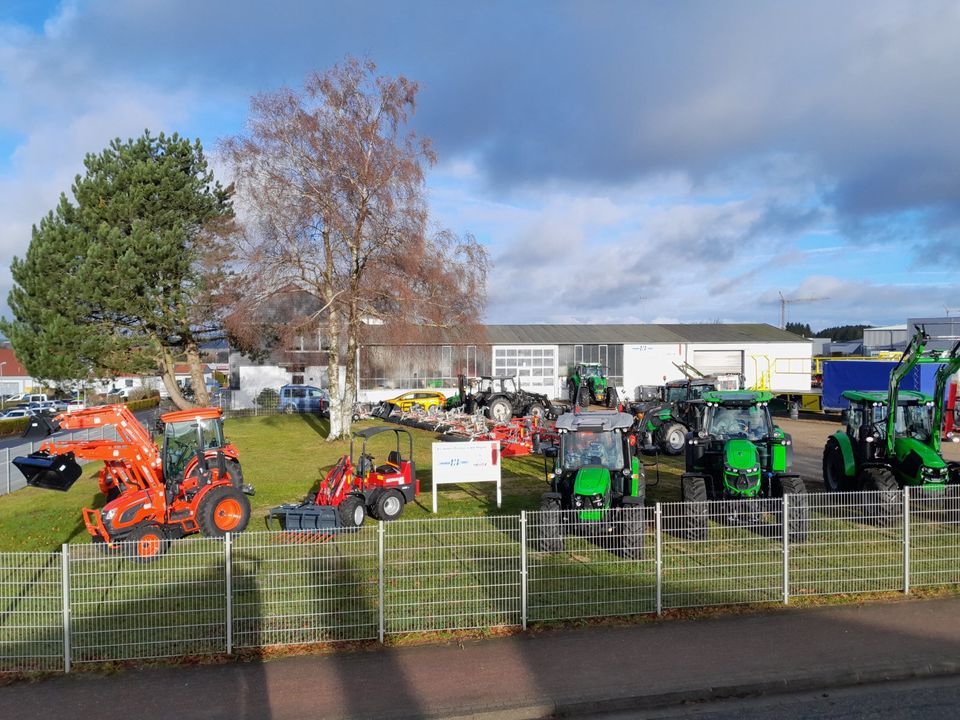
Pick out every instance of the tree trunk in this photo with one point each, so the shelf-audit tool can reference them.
(170, 380)
(350, 382)
(199, 382)
(333, 376)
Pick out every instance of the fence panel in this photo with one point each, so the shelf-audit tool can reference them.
(125, 610)
(854, 544)
(723, 552)
(452, 573)
(31, 612)
(934, 537)
(305, 587)
(597, 567)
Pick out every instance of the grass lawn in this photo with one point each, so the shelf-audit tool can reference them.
(283, 457)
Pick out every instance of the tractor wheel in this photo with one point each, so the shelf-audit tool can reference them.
(611, 398)
(887, 506)
(629, 531)
(352, 512)
(536, 410)
(146, 543)
(223, 509)
(236, 473)
(388, 506)
(798, 514)
(500, 410)
(549, 531)
(572, 392)
(694, 494)
(583, 397)
(834, 473)
(672, 438)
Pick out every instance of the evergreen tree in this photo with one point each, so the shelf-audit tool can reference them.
(113, 279)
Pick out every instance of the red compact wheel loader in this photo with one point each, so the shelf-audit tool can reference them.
(193, 484)
(349, 491)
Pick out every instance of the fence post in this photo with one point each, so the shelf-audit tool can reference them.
(228, 581)
(6, 466)
(380, 582)
(785, 501)
(523, 569)
(906, 540)
(658, 544)
(65, 591)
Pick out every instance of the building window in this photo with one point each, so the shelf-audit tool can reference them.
(533, 366)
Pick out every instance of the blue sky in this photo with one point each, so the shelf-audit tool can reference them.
(622, 161)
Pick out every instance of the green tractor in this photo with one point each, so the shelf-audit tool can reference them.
(588, 385)
(597, 482)
(665, 425)
(885, 451)
(739, 454)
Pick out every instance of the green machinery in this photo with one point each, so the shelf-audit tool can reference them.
(739, 454)
(885, 451)
(665, 425)
(588, 384)
(597, 482)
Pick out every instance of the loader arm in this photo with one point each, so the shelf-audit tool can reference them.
(951, 364)
(911, 356)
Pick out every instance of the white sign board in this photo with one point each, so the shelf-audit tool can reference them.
(465, 462)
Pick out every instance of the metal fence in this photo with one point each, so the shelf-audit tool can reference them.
(11, 479)
(86, 604)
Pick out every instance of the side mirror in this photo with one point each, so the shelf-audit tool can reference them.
(550, 451)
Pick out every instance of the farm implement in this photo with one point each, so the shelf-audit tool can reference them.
(354, 488)
(193, 484)
(885, 450)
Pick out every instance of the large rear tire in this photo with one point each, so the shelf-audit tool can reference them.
(798, 514)
(611, 398)
(673, 436)
(550, 533)
(223, 509)
(500, 410)
(146, 543)
(888, 504)
(834, 471)
(694, 495)
(629, 531)
(583, 397)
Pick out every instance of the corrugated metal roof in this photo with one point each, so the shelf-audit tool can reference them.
(542, 334)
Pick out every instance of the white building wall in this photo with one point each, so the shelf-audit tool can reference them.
(651, 364)
(254, 378)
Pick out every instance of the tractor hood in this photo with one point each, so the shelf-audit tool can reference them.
(919, 463)
(591, 481)
(741, 471)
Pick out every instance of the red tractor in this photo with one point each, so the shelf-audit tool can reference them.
(351, 490)
(194, 484)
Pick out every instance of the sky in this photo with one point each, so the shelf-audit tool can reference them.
(621, 161)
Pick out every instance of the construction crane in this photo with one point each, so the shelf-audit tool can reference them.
(789, 301)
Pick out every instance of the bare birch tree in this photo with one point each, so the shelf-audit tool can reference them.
(331, 181)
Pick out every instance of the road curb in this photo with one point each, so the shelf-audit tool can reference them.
(700, 695)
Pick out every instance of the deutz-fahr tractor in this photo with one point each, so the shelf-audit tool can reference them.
(192, 484)
(738, 454)
(501, 398)
(665, 425)
(886, 451)
(587, 384)
(597, 477)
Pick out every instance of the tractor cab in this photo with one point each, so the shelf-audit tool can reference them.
(190, 435)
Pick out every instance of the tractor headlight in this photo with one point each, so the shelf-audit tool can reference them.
(578, 501)
(869, 438)
(597, 501)
(108, 515)
(626, 472)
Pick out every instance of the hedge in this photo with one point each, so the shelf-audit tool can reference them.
(13, 426)
(150, 402)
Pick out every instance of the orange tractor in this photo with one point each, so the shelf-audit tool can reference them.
(193, 484)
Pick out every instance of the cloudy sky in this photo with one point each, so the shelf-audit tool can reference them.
(622, 161)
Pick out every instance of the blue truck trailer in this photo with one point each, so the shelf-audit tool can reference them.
(840, 375)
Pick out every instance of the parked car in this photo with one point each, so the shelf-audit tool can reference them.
(15, 413)
(302, 399)
(424, 398)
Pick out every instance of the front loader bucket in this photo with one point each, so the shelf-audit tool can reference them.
(40, 426)
(306, 516)
(50, 472)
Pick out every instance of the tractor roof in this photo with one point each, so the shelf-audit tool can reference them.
(737, 397)
(603, 421)
(880, 397)
(692, 381)
(176, 416)
(369, 432)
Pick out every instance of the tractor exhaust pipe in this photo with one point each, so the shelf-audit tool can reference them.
(49, 472)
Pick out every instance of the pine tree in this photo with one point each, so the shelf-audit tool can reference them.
(113, 279)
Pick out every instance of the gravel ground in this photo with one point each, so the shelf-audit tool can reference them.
(809, 437)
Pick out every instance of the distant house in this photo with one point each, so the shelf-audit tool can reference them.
(14, 378)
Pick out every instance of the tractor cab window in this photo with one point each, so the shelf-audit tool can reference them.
(854, 420)
(591, 371)
(180, 443)
(751, 422)
(697, 391)
(915, 421)
(486, 385)
(508, 385)
(676, 393)
(592, 448)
